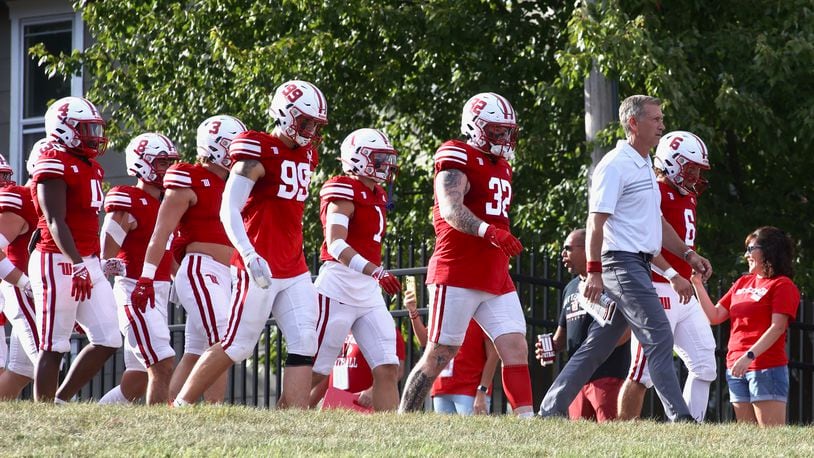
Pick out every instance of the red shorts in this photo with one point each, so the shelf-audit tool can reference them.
(597, 400)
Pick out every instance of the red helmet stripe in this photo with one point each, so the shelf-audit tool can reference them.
(319, 98)
(508, 111)
(703, 146)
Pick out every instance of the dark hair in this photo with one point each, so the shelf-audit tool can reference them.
(777, 249)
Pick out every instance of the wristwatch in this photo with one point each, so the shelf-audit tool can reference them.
(751, 355)
(482, 389)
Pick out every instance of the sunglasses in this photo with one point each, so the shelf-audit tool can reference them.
(751, 248)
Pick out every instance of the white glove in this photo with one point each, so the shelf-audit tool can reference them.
(25, 286)
(258, 269)
(113, 267)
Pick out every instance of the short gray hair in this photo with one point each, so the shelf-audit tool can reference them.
(633, 107)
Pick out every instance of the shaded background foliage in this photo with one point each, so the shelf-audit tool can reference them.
(738, 73)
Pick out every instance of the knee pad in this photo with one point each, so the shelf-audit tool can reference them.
(295, 360)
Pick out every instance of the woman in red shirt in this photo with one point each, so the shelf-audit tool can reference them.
(760, 305)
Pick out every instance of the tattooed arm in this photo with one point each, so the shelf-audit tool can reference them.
(450, 188)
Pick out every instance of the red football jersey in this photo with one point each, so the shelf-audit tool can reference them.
(469, 261)
(751, 302)
(368, 224)
(83, 198)
(17, 199)
(144, 209)
(273, 213)
(462, 375)
(679, 211)
(360, 376)
(201, 222)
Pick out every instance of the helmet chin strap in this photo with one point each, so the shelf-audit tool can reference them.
(390, 205)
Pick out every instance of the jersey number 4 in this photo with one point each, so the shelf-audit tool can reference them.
(295, 180)
(502, 197)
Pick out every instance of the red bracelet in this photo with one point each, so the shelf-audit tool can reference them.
(594, 266)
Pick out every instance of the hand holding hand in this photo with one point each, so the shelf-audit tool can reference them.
(504, 240)
(700, 264)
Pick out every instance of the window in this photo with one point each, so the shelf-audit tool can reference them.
(54, 24)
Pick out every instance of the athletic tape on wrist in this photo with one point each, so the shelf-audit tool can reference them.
(670, 273)
(337, 247)
(3, 242)
(6, 267)
(338, 219)
(358, 263)
(112, 228)
(484, 226)
(148, 270)
(22, 281)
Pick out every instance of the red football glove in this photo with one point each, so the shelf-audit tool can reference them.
(389, 283)
(504, 240)
(143, 294)
(81, 285)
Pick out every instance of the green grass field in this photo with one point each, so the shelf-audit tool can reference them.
(91, 430)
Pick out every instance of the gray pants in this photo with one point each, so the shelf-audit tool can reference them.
(627, 280)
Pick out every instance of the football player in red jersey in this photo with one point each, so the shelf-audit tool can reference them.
(468, 273)
(66, 275)
(202, 282)
(680, 159)
(131, 213)
(18, 219)
(262, 211)
(353, 211)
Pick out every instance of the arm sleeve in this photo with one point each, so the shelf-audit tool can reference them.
(235, 196)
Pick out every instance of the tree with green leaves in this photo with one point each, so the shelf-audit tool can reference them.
(738, 74)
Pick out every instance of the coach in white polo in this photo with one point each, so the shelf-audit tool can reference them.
(625, 226)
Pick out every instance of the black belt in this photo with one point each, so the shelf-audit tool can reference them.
(646, 257)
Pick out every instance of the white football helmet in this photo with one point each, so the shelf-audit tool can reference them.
(299, 110)
(368, 153)
(675, 152)
(214, 137)
(6, 172)
(141, 153)
(36, 150)
(489, 123)
(77, 124)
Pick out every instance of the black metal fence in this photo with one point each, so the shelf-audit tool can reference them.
(539, 278)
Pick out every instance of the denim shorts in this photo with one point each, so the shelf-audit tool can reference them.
(759, 385)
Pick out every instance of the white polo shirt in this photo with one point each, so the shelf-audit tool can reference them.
(624, 185)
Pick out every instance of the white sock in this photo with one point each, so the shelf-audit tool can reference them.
(114, 396)
(178, 402)
(59, 402)
(696, 395)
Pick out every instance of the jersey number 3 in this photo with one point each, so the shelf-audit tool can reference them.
(295, 180)
(502, 197)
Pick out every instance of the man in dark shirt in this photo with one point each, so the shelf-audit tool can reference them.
(598, 398)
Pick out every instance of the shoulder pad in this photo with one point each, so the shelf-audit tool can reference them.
(119, 198)
(179, 176)
(338, 188)
(247, 145)
(11, 198)
(451, 155)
